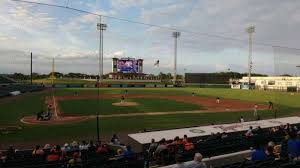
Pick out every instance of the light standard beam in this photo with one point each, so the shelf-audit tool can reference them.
(100, 27)
(175, 35)
(250, 30)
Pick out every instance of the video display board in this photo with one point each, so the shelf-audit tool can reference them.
(127, 66)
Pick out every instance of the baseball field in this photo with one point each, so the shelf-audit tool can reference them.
(153, 108)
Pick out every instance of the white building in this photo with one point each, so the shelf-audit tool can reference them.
(269, 83)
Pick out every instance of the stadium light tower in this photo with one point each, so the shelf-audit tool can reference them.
(250, 30)
(175, 35)
(101, 27)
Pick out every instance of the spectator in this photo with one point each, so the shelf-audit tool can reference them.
(128, 153)
(293, 146)
(115, 140)
(270, 153)
(196, 163)
(176, 141)
(152, 148)
(2, 157)
(75, 160)
(53, 156)
(224, 135)
(66, 148)
(185, 139)
(83, 145)
(161, 147)
(103, 149)
(284, 148)
(259, 130)
(38, 151)
(11, 153)
(92, 147)
(258, 154)
(75, 146)
(47, 148)
(188, 146)
(179, 162)
(249, 133)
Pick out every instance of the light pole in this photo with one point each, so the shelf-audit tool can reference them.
(175, 35)
(250, 30)
(100, 27)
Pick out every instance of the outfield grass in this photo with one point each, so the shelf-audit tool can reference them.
(105, 107)
(12, 111)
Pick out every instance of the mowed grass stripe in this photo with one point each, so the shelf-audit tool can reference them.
(105, 107)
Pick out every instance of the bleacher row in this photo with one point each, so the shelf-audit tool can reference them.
(210, 146)
(215, 146)
(25, 159)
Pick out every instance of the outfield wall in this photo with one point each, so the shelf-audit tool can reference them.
(121, 85)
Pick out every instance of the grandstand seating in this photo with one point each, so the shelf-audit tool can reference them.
(213, 145)
(25, 159)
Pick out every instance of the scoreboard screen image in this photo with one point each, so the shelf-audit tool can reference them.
(127, 66)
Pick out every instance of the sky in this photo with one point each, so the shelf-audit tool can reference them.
(72, 38)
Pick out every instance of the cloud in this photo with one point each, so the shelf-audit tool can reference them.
(73, 38)
(120, 4)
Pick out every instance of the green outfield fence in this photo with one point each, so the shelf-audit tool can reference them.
(206, 85)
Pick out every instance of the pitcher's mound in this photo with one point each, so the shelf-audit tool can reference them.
(125, 104)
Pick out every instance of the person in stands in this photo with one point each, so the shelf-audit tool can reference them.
(102, 149)
(258, 154)
(179, 162)
(152, 147)
(38, 151)
(128, 153)
(115, 140)
(11, 153)
(53, 156)
(249, 133)
(185, 139)
(270, 153)
(91, 146)
(75, 161)
(196, 163)
(293, 146)
(161, 147)
(188, 146)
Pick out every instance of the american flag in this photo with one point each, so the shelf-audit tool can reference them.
(156, 63)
